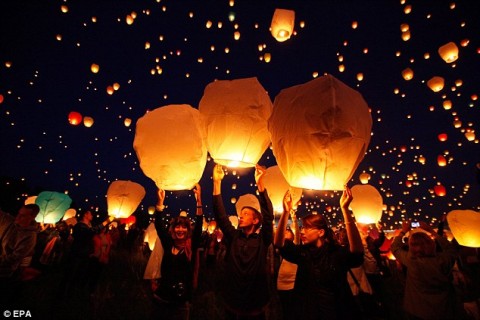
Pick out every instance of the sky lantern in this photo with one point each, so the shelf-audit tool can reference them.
(465, 226)
(448, 52)
(1, 98)
(88, 121)
(234, 220)
(127, 122)
(235, 114)
(282, 24)
(457, 123)
(110, 90)
(447, 104)
(94, 68)
(123, 198)
(277, 186)
(364, 177)
(470, 135)
(367, 203)
(69, 213)
(151, 236)
(442, 161)
(212, 225)
(151, 210)
(30, 200)
(74, 118)
(52, 206)
(442, 137)
(407, 74)
(320, 131)
(406, 35)
(436, 84)
(440, 190)
(170, 145)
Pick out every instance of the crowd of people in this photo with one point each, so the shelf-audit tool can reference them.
(253, 270)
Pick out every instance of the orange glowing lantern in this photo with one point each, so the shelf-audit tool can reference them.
(364, 177)
(470, 135)
(442, 137)
(277, 186)
(74, 118)
(212, 225)
(70, 213)
(465, 226)
(367, 203)
(440, 190)
(407, 74)
(151, 210)
(94, 68)
(447, 104)
(320, 131)
(30, 200)
(123, 198)
(235, 114)
(442, 162)
(448, 52)
(88, 121)
(282, 24)
(127, 122)
(170, 144)
(436, 84)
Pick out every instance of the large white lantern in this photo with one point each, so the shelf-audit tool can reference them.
(282, 24)
(170, 144)
(320, 131)
(123, 198)
(235, 113)
(277, 186)
(465, 226)
(367, 203)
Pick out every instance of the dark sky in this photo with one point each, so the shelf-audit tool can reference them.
(46, 54)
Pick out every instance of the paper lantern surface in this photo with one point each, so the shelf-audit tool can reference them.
(367, 203)
(170, 145)
(30, 200)
(70, 213)
(52, 206)
(448, 52)
(151, 236)
(465, 226)
(277, 186)
(123, 198)
(320, 131)
(283, 21)
(235, 114)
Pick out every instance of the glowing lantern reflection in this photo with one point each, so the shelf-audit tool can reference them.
(235, 114)
(277, 186)
(74, 118)
(234, 221)
(367, 203)
(212, 225)
(123, 198)
(320, 131)
(94, 68)
(436, 84)
(151, 210)
(470, 135)
(448, 52)
(440, 190)
(465, 226)
(170, 144)
(52, 206)
(282, 24)
(127, 122)
(364, 177)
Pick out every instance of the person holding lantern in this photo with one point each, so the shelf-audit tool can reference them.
(323, 264)
(174, 291)
(245, 291)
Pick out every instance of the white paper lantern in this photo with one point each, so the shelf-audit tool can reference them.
(123, 198)
(367, 203)
(282, 24)
(235, 114)
(150, 236)
(170, 144)
(465, 226)
(277, 186)
(320, 132)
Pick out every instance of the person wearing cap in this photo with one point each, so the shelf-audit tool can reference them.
(245, 291)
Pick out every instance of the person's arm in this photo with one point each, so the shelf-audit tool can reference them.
(266, 205)
(282, 222)
(218, 207)
(23, 247)
(354, 239)
(160, 226)
(397, 245)
(295, 227)
(197, 231)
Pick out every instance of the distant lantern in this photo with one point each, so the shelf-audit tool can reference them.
(234, 221)
(151, 236)
(88, 121)
(448, 52)
(447, 104)
(406, 35)
(94, 68)
(470, 135)
(116, 86)
(442, 137)
(360, 76)
(75, 118)
(123, 198)
(110, 90)
(151, 210)
(235, 114)
(236, 35)
(282, 24)
(442, 162)
(320, 132)
(212, 225)
(364, 177)
(407, 74)
(440, 190)
(70, 213)
(277, 186)
(465, 226)
(422, 159)
(52, 206)
(436, 84)
(170, 145)
(367, 203)
(1, 98)
(404, 27)
(127, 122)
(267, 57)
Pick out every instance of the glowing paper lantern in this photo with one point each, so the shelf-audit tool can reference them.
(151, 210)
(30, 200)
(367, 203)
(123, 198)
(212, 225)
(88, 121)
(277, 186)
(407, 74)
(442, 161)
(234, 221)
(465, 226)
(52, 206)
(170, 144)
(320, 131)
(70, 213)
(364, 177)
(442, 137)
(94, 68)
(282, 24)
(150, 236)
(74, 118)
(440, 190)
(436, 84)
(235, 114)
(448, 52)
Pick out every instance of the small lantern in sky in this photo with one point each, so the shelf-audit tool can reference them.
(364, 177)
(465, 226)
(52, 206)
(235, 114)
(30, 200)
(436, 84)
(282, 24)
(407, 74)
(74, 118)
(170, 145)
(94, 68)
(367, 203)
(440, 190)
(88, 121)
(448, 52)
(123, 198)
(320, 132)
(277, 186)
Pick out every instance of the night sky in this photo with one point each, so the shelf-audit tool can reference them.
(166, 54)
